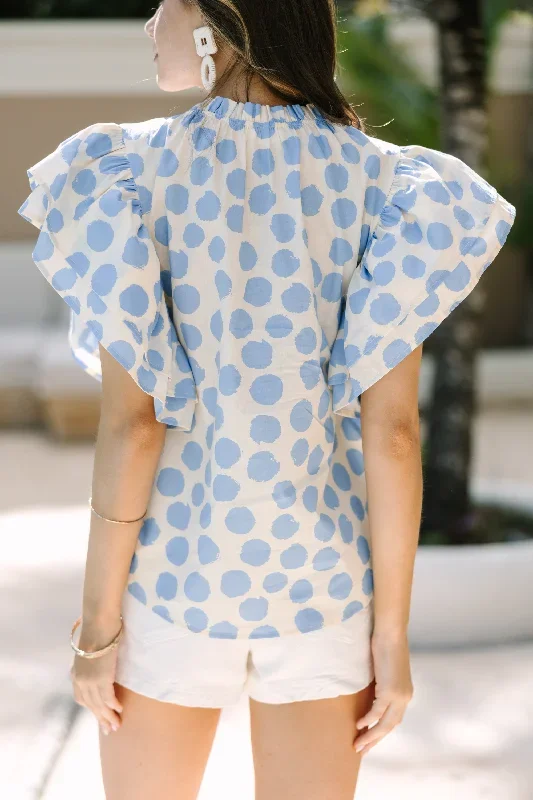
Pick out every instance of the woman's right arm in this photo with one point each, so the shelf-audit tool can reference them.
(393, 466)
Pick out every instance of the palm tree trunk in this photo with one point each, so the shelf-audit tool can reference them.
(456, 341)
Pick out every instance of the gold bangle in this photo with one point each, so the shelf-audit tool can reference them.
(96, 653)
(114, 521)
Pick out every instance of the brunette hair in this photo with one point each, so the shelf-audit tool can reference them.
(290, 44)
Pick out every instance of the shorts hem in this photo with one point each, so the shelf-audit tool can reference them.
(327, 690)
(183, 698)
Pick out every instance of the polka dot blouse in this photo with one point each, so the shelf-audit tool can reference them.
(255, 269)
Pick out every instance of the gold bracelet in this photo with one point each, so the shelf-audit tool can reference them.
(114, 521)
(96, 653)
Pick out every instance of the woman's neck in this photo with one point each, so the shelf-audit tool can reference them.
(240, 88)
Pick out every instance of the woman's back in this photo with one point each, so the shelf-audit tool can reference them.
(235, 260)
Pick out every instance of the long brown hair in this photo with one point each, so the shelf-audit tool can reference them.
(290, 44)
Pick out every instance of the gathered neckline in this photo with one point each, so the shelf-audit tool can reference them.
(222, 107)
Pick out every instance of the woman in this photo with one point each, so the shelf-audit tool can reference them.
(253, 280)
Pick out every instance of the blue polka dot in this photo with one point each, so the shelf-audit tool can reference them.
(306, 341)
(258, 292)
(196, 620)
(235, 583)
(301, 591)
(149, 532)
(236, 183)
(279, 326)
(241, 324)
(283, 226)
(332, 287)
(363, 549)
(167, 586)
(341, 251)
(193, 235)
(225, 488)
(64, 279)
(135, 253)
(285, 263)
(350, 153)
(340, 586)
(291, 150)
(85, 182)
(168, 164)
(337, 177)
(267, 390)
(309, 619)
(198, 493)
(247, 256)
(312, 200)
(234, 218)
(229, 380)
(375, 200)
(217, 249)
(293, 557)
(203, 138)
(395, 352)
(227, 453)
(217, 326)
(327, 558)
(368, 582)
(284, 494)
(262, 467)
(356, 461)
(373, 167)
(208, 551)
(296, 299)
(176, 198)
(104, 279)
(324, 528)
(357, 507)
(205, 516)
(302, 416)
(299, 452)
(384, 309)
(192, 455)
(196, 588)
(346, 529)
(255, 552)
(315, 460)
(201, 171)
(162, 231)
(179, 515)
(344, 212)
(439, 236)
(319, 147)
(170, 482)
(257, 355)
(285, 526)
(177, 550)
(262, 199)
(265, 429)
(263, 162)
(134, 300)
(341, 477)
(208, 207)
(191, 335)
(187, 298)
(137, 591)
(226, 151)
(310, 498)
(292, 185)
(99, 235)
(254, 609)
(275, 582)
(351, 609)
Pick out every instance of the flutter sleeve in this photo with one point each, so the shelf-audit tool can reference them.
(96, 252)
(440, 227)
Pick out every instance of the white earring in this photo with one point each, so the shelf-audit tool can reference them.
(206, 47)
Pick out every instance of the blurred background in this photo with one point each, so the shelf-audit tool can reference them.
(448, 74)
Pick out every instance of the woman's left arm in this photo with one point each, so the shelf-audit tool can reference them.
(390, 428)
(128, 447)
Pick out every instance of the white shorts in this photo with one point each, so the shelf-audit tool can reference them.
(159, 660)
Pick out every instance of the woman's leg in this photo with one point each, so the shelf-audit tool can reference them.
(304, 749)
(160, 750)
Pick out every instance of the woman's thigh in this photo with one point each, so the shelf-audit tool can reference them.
(160, 750)
(305, 748)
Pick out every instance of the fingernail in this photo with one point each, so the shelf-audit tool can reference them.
(359, 747)
(115, 727)
(105, 731)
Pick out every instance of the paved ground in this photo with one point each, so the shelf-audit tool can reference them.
(467, 735)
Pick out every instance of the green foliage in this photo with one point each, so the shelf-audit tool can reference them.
(374, 72)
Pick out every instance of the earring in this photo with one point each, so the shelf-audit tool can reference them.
(206, 47)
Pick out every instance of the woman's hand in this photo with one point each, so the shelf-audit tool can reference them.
(93, 678)
(393, 692)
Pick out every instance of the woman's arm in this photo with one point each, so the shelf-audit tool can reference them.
(128, 448)
(390, 427)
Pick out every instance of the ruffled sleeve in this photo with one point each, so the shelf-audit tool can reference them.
(440, 227)
(97, 253)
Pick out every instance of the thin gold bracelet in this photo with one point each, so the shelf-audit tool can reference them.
(114, 521)
(103, 650)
